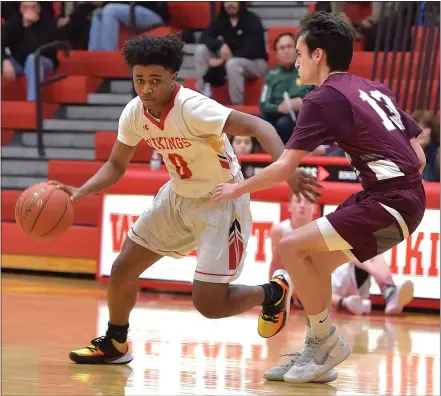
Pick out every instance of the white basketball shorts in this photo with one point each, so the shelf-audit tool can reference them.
(175, 226)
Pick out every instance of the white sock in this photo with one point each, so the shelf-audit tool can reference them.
(321, 325)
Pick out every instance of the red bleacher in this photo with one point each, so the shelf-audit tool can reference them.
(103, 147)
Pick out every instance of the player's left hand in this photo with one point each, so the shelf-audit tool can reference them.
(226, 191)
(304, 184)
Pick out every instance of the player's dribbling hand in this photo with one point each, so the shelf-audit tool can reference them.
(226, 191)
(74, 192)
(304, 184)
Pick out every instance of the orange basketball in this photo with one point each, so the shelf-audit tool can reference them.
(44, 211)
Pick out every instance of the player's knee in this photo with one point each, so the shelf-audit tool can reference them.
(121, 271)
(210, 298)
(289, 248)
(207, 308)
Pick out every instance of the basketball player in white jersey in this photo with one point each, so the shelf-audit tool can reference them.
(350, 283)
(189, 130)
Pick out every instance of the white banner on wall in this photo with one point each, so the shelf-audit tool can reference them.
(417, 258)
(121, 211)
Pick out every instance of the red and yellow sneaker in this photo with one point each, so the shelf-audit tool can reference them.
(273, 317)
(103, 350)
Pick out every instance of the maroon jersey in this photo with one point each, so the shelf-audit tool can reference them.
(363, 119)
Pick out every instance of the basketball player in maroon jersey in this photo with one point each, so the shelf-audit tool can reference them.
(362, 117)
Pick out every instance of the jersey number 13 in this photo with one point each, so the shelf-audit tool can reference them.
(391, 121)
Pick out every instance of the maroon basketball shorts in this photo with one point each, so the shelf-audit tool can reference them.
(370, 223)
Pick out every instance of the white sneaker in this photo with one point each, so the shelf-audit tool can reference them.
(367, 306)
(277, 372)
(317, 358)
(402, 296)
(354, 304)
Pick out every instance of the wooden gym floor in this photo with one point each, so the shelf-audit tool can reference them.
(177, 351)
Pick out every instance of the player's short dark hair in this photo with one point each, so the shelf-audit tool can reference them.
(166, 51)
(288, 34)
(332, 34)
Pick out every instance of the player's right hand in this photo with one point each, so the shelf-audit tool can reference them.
(304, 184)
(75, 193)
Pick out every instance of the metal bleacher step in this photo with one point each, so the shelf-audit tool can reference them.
(275, 22)
(21, 183)
(280, 13)
(80, 125)
(109, 98)
(13, 152)
(18, 167)
(96, 112)
(121, 86)
(60, 139)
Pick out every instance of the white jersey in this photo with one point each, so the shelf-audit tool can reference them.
(190, 138)
(286, 225)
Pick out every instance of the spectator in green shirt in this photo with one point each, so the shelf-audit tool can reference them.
(283, 81)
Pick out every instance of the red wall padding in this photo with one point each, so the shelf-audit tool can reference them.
(77, 242)
(86, 211)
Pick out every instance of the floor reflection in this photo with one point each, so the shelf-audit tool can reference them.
(178, 351)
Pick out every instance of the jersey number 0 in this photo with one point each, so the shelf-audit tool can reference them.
(180, 165)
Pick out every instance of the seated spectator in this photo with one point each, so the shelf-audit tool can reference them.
(75, 27)
(232, 45)
(429, 140)
(11, 8)
(22, 34)
(243, 145)
(437, 168)
(283, 93)
(104, 29)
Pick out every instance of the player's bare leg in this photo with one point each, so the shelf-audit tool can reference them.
(121, 298)
(306, 256)
(124, 280)
(221, 300)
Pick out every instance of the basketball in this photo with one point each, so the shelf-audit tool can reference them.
(43, 211)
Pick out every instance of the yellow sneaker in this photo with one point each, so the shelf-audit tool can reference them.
(103, 350)
(273, 317)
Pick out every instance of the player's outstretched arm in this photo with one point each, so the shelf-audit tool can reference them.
(241, 124)
(107, 175)
(281, 170)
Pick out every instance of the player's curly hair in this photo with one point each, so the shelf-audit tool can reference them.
(332, 34)
(166, 51)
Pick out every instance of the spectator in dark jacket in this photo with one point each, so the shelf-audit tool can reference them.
(234, 44)
(10, 8)
(106, 21)
(22, 34)
(75, 27)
